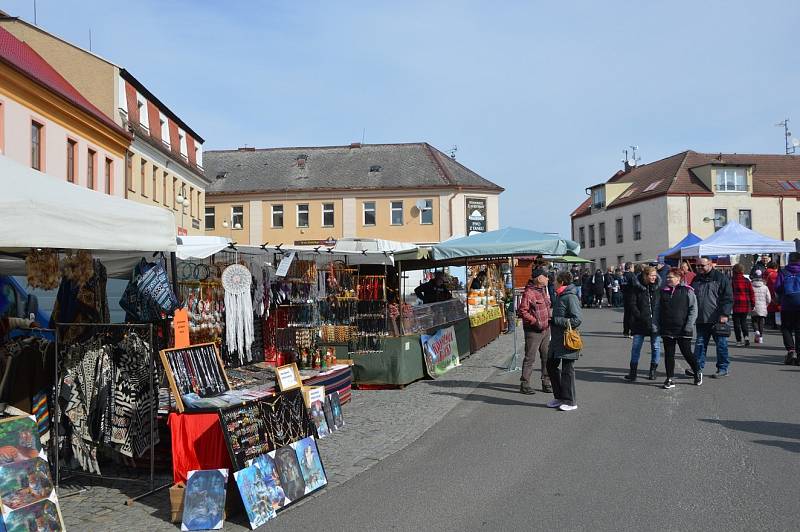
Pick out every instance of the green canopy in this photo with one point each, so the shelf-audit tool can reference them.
(568, 259)
(506, 242)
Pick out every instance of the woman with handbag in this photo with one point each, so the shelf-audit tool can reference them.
(565, 343)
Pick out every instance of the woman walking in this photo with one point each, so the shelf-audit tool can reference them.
(645, 322)
(743, 302)
(762, 300)
(677, 312)
(566, 313)
(598, 283)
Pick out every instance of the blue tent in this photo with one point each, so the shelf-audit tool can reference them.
(675, 251)
(506, 242)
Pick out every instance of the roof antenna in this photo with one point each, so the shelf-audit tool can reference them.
(631, 158)
(363, 135)
(34, 13)
(791, 144)
(90, 39)
(452, 152)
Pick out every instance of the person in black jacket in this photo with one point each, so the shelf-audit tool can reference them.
(677, 312)
(434, 290)
(645, 322)
(628, 298)
(598, 283)
(714, 308)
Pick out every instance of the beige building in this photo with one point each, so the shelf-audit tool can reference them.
(647, 209)
(306, 196)
(164, 159)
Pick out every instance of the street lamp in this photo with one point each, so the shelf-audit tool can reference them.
(183, 201)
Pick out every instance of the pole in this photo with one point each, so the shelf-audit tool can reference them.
(513, 365)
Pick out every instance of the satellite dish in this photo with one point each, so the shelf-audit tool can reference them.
(795, 142)
(632, 162)
(420, 204)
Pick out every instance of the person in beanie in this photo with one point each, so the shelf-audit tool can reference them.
(645, 322)
(566, 310)
(534, 309)
(714, 308)
(677, 311)
(762, 300)
(787, 287)
(744, 299)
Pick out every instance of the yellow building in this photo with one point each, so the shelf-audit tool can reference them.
(308, 196)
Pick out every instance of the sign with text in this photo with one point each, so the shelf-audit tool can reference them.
(288, 377)
(283, 267)
(181, 328)
(328, 242)
(476, 215)
(440, 351)
(313, 394)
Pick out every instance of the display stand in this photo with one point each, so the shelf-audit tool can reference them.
(110, 328)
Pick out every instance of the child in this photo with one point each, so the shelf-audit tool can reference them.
(762, 300)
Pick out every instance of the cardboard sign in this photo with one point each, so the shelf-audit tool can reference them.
(312, 394)
(283, 267)
(440, 351)
(180, 327)
(288, 377)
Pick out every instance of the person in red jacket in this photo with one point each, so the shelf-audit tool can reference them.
(771, 277)
(534, 309)
(744, 300)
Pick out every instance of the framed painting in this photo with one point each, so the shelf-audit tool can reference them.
(310, 464)
(255, 496)
(204, 499)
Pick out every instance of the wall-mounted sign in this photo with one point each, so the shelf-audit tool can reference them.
(329, 242)
(476, 215)
(182, 231)
(195, 224)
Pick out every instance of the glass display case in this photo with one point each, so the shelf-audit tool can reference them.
(421, 318)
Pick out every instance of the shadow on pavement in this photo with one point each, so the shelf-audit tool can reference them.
(766, 428)
(766, 358)
(791, 446)
(488, 399)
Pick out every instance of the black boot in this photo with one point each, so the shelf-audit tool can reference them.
(632, 375)
(651, 376)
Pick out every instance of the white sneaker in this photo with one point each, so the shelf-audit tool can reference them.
(567, 408)
(553, 403)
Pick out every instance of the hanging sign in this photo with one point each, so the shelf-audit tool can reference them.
(283, 267)
(476, 215)
(180, 324)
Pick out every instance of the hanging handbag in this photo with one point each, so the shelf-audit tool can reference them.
(154, 286)
(572, 338)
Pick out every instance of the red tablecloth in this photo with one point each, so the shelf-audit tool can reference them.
(197, 440)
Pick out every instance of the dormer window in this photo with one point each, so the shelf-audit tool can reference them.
(301, 160)
(375, 168)
(599, 198)
(731, 180)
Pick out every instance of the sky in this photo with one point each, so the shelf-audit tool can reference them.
(539, 97)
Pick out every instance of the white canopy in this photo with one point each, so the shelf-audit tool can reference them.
(200, 247)
(41, 211)
(736, 239)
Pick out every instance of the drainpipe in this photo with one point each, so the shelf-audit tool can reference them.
(688, 214)
(780, 202)
(452, 197)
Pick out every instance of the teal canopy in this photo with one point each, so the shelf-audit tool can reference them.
(507, 242)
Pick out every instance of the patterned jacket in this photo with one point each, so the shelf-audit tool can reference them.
(744, 299)
(534, 308)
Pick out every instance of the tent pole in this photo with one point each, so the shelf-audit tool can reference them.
(513, 365)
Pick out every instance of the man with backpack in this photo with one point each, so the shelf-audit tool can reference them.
(787, 287)
(714, 307)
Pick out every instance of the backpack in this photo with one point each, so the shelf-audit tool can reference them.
(791, 290)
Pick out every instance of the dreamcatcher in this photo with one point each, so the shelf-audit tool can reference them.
(236, 280)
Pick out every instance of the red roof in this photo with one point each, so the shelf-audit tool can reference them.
(23, 58)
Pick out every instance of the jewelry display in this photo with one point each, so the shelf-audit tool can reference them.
(197, 370)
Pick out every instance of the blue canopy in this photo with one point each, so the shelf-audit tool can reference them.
(506, 242)
(675, 250)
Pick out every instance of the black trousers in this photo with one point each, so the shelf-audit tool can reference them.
(740, 325)
(627, 318)
(562, 380)
(790, 328)
(685, 345)
(758, 324)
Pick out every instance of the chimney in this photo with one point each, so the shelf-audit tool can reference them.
(629, 166)
(247, 148)
(355, 145)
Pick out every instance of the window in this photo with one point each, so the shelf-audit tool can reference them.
(277, 216)
(141, 104)
(601, 229)
(164, 129)
(211, 216)
(426, 213)
(746, 218)
(620, 259)
(175, 193)
(302, 215)
(591, 236)
(603, 264)
(798, 221)
(618, 224)
(182, 143)
(129, 170)
(397, 213)
(108, 172)
(71, 147)
(637, 257)
(731, 180)
(637, 226)
(91, 159)
(599, 198)
(720, 218)
(369, 213)
(192, 202)
(652, 186)
(142, 178)
(582, 237)
(327, 215)
(164, 196)
(237, 216)
(155, 183)
(36, 145)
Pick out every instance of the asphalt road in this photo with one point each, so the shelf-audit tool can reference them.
(723, 456)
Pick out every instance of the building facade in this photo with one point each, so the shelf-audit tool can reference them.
(47, 124)
(163, 161)
(647, 209)
(313, 195)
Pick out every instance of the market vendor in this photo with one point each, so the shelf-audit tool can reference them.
(479, 281)
(434, 290)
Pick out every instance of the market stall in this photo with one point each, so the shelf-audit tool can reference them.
(736, 239)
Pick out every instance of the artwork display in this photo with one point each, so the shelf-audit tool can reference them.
(317, 413)
(19, 440)
(246, 432)
(24, 483)
(327, 408)
(336, 410)
(265, 464)
(286, 418)
(204, 499)
(440, 351)
(43, 515)
(197, 370)
(310, 464)
(255, 496)
(290, 474)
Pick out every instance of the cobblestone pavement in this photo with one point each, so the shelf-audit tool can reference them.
(378, 424)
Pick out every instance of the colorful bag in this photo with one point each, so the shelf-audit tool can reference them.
(572, 338)
(154, 286)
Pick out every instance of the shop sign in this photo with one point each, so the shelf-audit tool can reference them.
(440, 351)
(182, 231)
(476, 215)
(195, 224)
(329, 242)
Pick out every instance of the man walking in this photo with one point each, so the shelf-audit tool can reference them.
(534, 309)
(787, 287)
(714, 307)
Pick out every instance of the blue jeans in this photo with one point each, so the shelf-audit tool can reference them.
(655, 348)
(704, 333)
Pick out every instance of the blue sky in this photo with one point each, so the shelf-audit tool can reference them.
(539, 97)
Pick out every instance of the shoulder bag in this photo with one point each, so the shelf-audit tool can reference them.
(572, 338)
